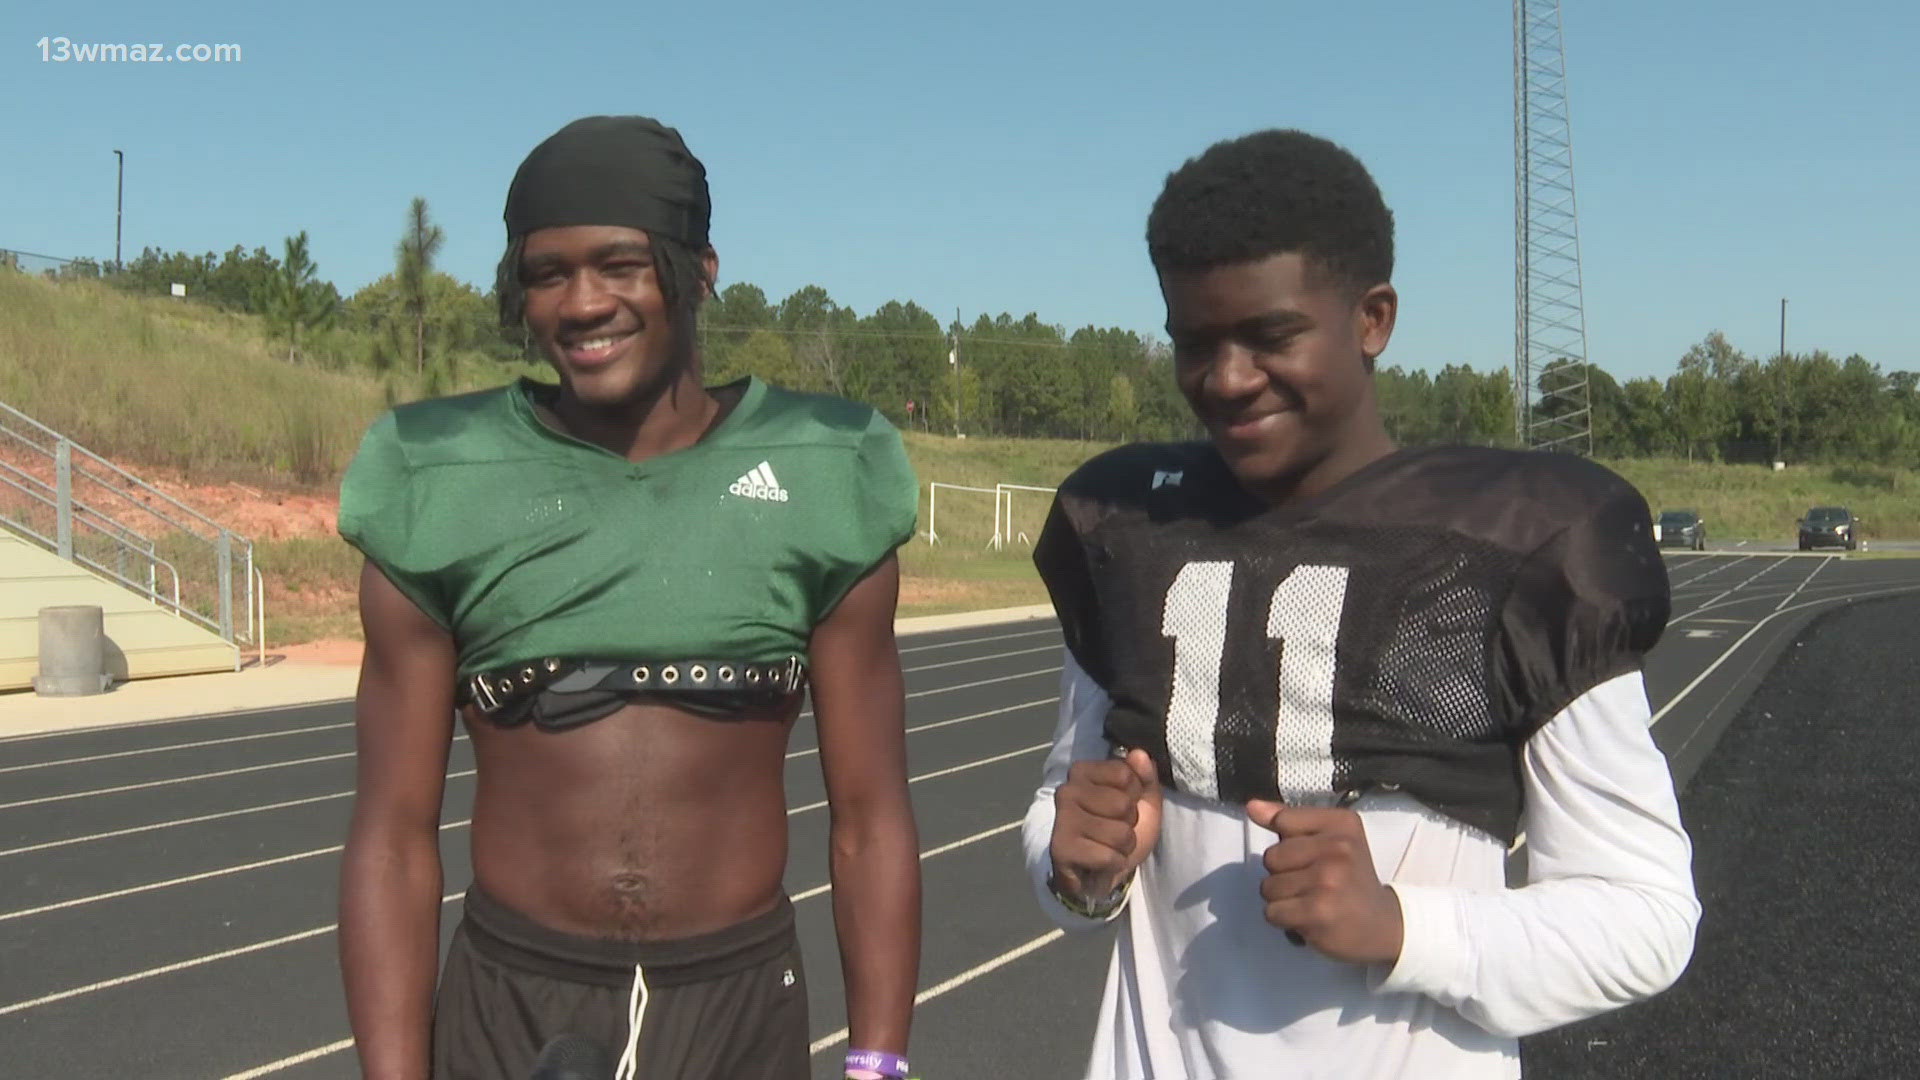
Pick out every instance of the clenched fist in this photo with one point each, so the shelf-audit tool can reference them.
(1106, 820)
(1321, 887)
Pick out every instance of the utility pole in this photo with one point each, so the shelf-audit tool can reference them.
(119, 189)
(953, 360)
(1778, 382)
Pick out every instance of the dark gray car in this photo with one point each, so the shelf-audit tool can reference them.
(1681, 529)
(1829, 526)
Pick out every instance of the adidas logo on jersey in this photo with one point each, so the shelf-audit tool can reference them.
(759, 484)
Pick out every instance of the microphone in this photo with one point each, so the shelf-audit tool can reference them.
(572, 1057)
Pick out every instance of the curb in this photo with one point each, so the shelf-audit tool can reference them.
(964, 620)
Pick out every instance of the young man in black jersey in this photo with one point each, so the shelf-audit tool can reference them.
(1316, 686)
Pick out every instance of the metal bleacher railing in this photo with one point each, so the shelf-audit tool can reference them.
(90, 511)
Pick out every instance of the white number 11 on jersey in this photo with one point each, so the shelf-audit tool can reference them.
(1304, 616)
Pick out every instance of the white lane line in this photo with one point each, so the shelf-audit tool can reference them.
(205, 875)
(8, 740)
(965, 686)
(1731, 649)
(288, 939)
(1521, 838)
(171, 746)
(44, 799)
(183, 965)
(1759, 654)
(51, 844)
(335, 1047)
(806, 713)
(1753, 659)
(917, 728)
(1796, 592)
(980, 640)
(337, 848)
(201, 743)
(42, 735)
(984, 834)
(962, 979)
(1709, 573)
(982, 659)
(1768, 592)
(975, 838)
(1765, 569)
(298, 1059)
(199, 819)
(942, 772)
(984, 682)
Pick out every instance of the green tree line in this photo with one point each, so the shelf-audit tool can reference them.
(1723, 405)
(424, 333)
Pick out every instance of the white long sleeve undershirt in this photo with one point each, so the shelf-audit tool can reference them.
(1201, 986)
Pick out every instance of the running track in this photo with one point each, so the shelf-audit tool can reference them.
(167, 890)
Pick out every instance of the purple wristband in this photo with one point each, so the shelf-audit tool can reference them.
(879, 1061)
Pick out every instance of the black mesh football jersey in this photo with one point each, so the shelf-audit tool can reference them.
(1407, 629)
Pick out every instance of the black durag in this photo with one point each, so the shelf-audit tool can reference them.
(613, 170)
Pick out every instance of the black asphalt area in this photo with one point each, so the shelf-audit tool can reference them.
(167, 890)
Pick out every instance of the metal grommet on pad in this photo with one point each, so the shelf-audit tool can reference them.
(669, 674)
(526, 676)
(641, 674)
(697, 673)
(753, 676)
(506, 686)
(726, 674)
(553, 665)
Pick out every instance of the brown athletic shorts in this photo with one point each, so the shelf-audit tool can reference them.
(729, 1005)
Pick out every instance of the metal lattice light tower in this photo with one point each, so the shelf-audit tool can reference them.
(1549, 321)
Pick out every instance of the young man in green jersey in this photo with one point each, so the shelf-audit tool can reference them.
(624, 583)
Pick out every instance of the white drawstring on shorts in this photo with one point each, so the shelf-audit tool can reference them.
(629, 1067)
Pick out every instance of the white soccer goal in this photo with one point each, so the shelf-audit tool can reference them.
(1017, 520)
(966, 516)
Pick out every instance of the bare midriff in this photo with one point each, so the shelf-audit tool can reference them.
(649, 824)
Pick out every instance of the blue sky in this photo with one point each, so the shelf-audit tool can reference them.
(1002, 156)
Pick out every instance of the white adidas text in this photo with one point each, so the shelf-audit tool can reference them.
(759, 483)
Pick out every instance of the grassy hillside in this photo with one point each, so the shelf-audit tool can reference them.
(154, 382)
(173, 384)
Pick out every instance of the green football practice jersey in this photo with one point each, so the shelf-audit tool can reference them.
(526, 543)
